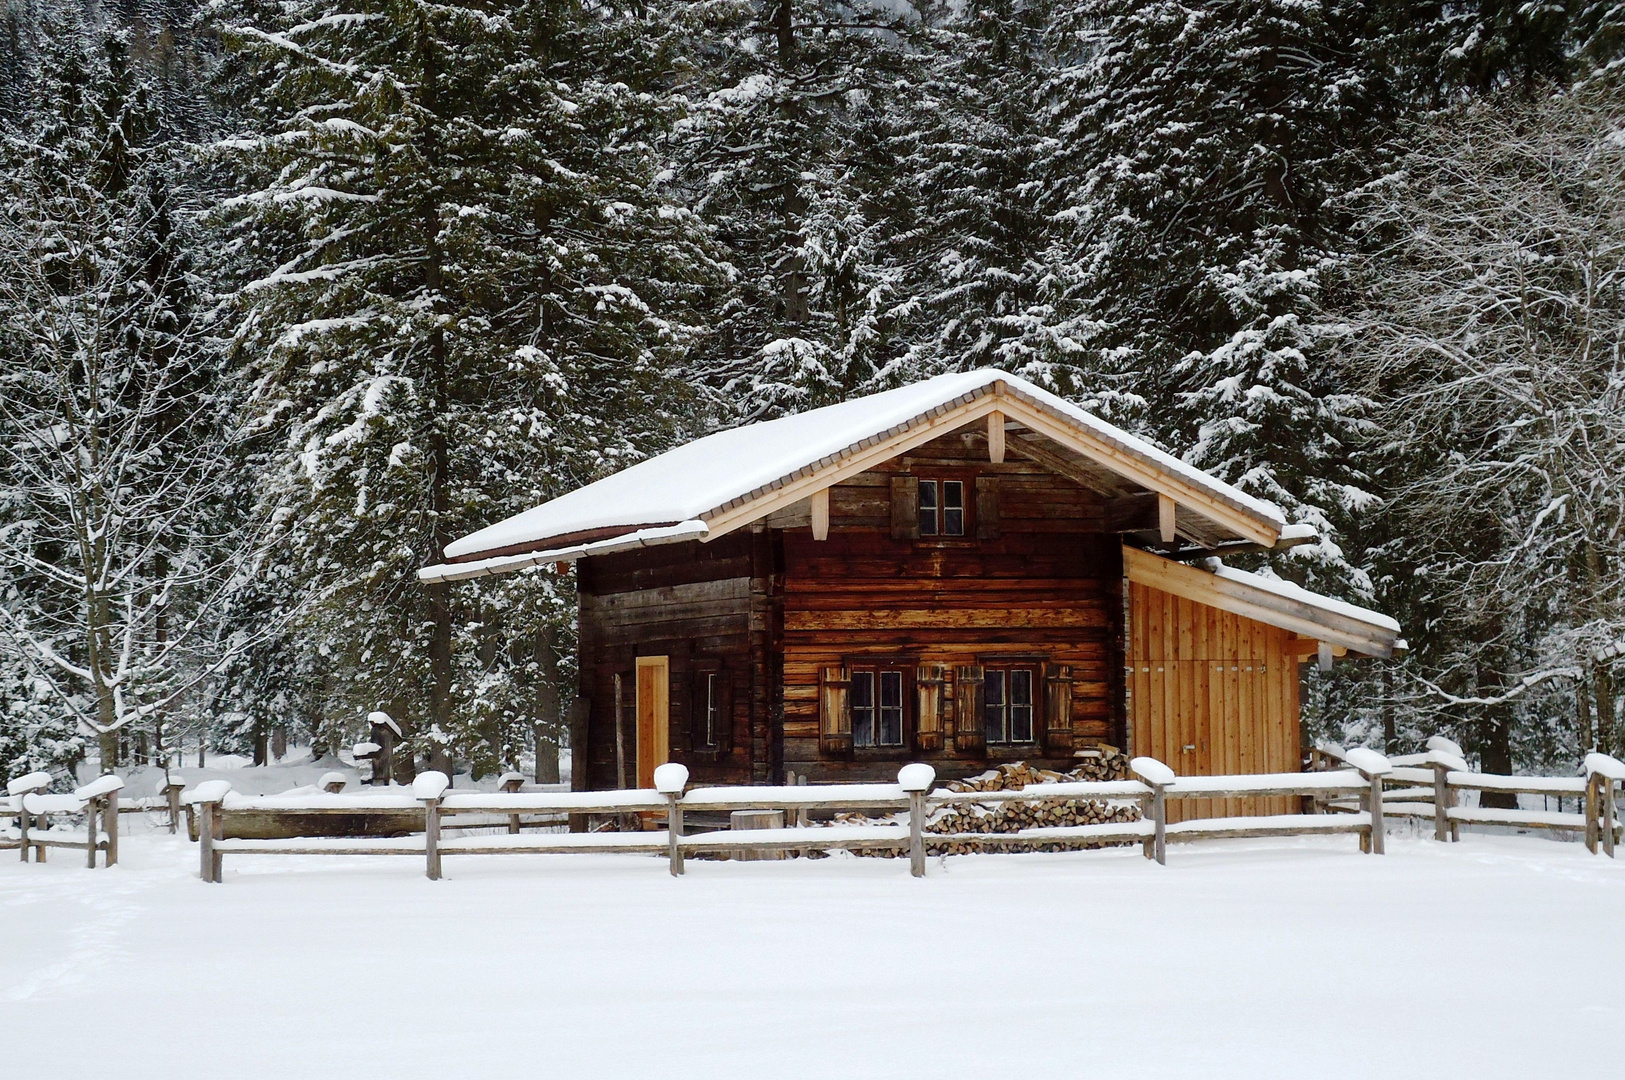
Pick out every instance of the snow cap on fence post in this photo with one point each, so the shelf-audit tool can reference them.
(102, 785)
(1153, 771)
(671, 778)
(333, 782)
(430, 785)
(1603, 765)
(1453, 762)
(379, 717)
(1368, 761)
(1446, 746)
(34, 781)
(210, 791)
(916, 777)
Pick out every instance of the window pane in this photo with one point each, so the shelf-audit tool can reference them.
(1021, 705)
(953, 508)
(891, 708)
(928, 508)
(711, 710)
(993, 690)
(863, 708)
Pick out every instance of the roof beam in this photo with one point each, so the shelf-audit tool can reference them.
(1141, 472)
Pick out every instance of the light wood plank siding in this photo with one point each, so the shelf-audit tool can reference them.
(1211, 693)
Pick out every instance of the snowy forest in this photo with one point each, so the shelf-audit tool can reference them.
(292, 294)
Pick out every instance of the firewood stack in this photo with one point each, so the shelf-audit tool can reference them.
(1107, 763)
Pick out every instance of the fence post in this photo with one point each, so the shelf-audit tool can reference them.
(674, 835)
(1441, 802)
(1591, 813)
(110, 821)
(172, 792)
(670, 779)
(93, 809)
(916, 779)
(205, 841)
(511, 783)
(1378, 830)
(1608, 816)
(1159, 822)
(22, 825)
(428, 788)
(431, 837)
(1373, 766)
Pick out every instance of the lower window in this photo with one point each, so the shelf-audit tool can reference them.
(1008, 693)
(877, 707)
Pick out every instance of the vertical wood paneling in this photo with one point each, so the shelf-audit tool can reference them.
(1209, 679)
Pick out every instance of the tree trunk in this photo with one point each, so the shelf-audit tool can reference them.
(1582, 711)
(545, 719)
(1602, 679)
(1389, 738)
(440, 609)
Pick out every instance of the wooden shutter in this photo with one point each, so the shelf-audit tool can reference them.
(835, 711)
(970, 730)
(929, 680)
(905, 508)
(987, 507)
(1058, 708)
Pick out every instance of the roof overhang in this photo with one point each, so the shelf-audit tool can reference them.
(1268, 600)
(501, 564)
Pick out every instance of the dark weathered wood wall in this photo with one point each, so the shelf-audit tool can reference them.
(703, 606)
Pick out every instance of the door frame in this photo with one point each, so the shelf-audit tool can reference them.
(653, 713)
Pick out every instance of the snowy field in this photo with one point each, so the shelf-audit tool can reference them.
(1495, 957)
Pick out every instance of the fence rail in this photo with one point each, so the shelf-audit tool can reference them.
(1442, 774)
(33, 810)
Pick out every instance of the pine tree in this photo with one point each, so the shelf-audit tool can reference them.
(1211, 142)
(469, 296)
(113, 438)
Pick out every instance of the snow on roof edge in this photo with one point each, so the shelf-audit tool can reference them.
(1293, 591)
(729, 468)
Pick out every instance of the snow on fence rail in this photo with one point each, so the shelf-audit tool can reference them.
(32, 809)
(912, 797)
(1428, 784)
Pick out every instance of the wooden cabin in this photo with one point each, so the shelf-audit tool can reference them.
(965, 571)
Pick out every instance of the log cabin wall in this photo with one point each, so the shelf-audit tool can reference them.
(1039, 589)
(709, 608)
(1211, 693)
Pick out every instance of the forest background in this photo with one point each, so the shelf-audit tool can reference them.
(293, 293)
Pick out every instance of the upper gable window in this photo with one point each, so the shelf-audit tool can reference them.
(942, 507)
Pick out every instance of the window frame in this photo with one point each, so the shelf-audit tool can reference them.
(857, 667)
(939, 482)
(709, 708)
(1002, 668)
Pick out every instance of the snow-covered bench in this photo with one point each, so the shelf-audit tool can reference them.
(34, 808)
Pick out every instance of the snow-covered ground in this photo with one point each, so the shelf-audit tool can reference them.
(1495, 957)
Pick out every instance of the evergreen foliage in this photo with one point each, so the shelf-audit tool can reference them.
(345, 282)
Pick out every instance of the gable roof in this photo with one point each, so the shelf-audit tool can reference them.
(716, 484)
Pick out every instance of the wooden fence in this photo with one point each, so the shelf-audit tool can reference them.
(1430, 785)
(911, 797)
(33, 811)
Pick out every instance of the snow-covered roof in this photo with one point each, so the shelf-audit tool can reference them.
(1291, 590)
(687, 489)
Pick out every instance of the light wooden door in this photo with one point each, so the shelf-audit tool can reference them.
(654, 716)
